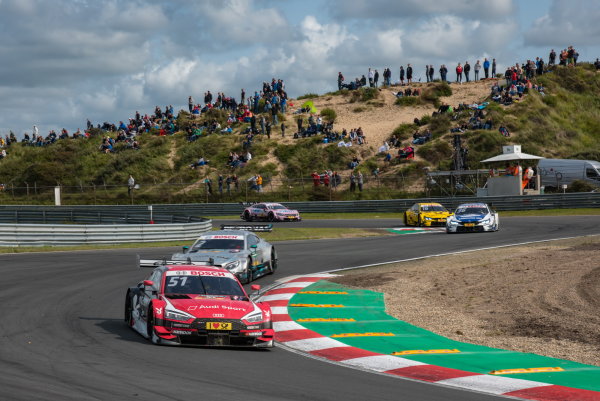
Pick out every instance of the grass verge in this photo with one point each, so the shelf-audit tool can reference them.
(280, 234)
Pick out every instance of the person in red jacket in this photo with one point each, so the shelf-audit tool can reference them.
(316, 178)
(459, 71)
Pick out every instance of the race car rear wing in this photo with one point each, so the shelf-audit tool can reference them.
(249, 227)
(152, 263)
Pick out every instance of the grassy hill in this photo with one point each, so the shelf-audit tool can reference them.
(565, 123)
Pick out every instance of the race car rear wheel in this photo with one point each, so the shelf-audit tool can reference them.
(420, 221)
(405, 219)
(271, 217)
(247, 216)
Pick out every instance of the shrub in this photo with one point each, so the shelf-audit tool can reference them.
(581, 186)
(358, 109)
(329, 115)
(307, 96)
(408, 101)
(404, 131)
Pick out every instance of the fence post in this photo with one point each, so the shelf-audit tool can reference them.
(27, 184)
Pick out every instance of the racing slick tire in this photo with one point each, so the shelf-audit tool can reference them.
(248, 272)
(271, 217)
(405, 219)
(150, 328)
(128, 318)
(273, 262)
(420, 221)
(247, 216)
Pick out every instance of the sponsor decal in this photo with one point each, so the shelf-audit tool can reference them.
(158, 311)
(240, 237)
(363, 335)
(316, 306)
(527, 370)
(218, 326)
(323, 292)
(198, 307)
(199, 273)
(426, 351)
(321, 319)
(182, 332)
(218, 315)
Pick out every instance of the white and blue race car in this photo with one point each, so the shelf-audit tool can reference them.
(472, 217)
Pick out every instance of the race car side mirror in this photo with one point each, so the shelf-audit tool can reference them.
(185, 248)
(255, 287)
(148, 283)
(253, 246)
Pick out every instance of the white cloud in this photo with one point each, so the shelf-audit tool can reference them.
(572, 22)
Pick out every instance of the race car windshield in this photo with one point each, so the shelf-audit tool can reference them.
(278, 207)
(433, 208)
(203, 285)
(221, 243)
(471, 210)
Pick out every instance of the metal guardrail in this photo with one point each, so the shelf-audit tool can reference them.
(68, 234)
(533, 202)
(500, 203)
(60, 215)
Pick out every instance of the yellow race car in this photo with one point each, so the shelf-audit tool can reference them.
(426, 215)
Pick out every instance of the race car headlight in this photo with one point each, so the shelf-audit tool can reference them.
(254, 317)
(177, 315)
(428, 218)
(452, 222)
(232, 265)
(487, 220)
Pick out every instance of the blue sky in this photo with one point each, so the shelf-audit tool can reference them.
(68, 60)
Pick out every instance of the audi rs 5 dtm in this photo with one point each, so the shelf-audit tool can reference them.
(188, 304)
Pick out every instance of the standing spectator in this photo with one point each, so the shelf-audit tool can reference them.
(359, 180)
(299, 122)
(130, 184)
(190, 105)
(467, 69)
(220, 184)
(409, 74)
(493, 68)
(552, 58)
(507, 76)
(371, 76)
(228, 181)
(427, 73)
(269, 127)
(262, 125)
(402, 75)
(477, 68)
(236, 183)
(431, 72)
(259, 182)
(376, 77)
(444, 73)
(283, 130)
(243, 96)
(459, 71)
(316, 178)
(36, 132)
(486, 68)
(340, 80)
(208, 185)
(352, 182)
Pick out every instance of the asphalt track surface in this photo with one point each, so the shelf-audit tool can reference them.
(62, 335)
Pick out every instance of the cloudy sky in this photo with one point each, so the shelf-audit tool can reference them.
(64, 61)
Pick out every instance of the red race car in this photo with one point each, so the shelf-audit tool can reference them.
(183, 303)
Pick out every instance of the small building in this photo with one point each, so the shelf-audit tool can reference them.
(508, 180)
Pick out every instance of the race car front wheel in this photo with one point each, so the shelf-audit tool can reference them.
(150, 328)
(128, 318)
(405, 219)
(273, 262)
(248, 272)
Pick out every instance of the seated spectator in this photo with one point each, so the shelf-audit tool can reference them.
(407, 152)
(201, 162)
(504, 131)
